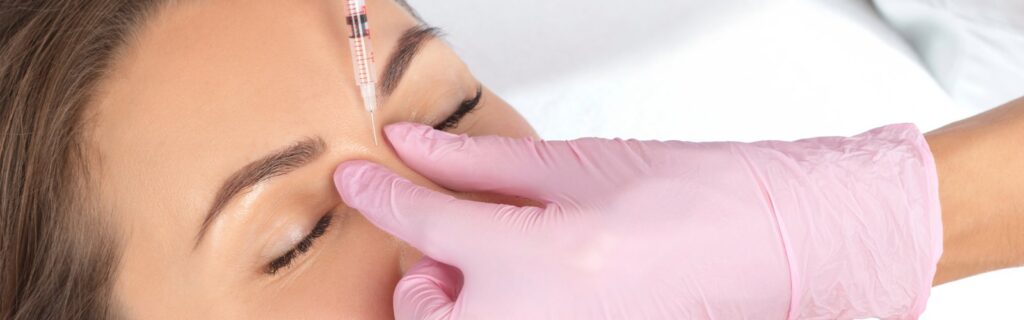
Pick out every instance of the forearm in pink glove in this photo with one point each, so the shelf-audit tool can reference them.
(820, 228)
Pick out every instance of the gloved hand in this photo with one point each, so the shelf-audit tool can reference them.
(821, 228)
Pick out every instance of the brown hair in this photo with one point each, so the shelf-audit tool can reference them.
(58, 254)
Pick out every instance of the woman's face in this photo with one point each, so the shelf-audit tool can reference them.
(239, 111)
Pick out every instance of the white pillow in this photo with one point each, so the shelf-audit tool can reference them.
(974, 48)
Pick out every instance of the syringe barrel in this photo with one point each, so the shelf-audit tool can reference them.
(360, 46)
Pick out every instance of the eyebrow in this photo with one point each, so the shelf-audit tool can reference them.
(400, 60)
(275, 164)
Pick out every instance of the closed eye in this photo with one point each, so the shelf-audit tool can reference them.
(302, 247)
(464, 108)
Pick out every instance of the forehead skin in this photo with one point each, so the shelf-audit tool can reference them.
(209, 86)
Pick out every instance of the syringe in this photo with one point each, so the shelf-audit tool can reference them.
(362, 58)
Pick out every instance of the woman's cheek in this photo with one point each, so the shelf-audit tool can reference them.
(407, 257)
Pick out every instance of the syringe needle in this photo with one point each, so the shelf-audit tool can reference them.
(373, 128)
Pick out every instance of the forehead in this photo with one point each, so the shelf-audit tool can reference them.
(207, 86)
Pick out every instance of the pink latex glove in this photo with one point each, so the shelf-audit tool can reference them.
(821, 228)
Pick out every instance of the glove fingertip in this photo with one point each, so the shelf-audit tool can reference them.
(414, 141)
(399, 132)
(351, 180)
(408, 136)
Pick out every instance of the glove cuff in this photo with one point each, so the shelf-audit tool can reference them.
(860, 218)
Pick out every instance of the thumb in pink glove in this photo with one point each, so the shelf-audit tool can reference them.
(818, 228)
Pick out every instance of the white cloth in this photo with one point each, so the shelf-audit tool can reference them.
(974, 48)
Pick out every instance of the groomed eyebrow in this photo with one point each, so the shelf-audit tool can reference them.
(275, 164)
(398, 63)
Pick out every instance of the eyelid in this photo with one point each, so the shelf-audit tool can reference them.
(465, 108)
(291, 235)
(302, 247)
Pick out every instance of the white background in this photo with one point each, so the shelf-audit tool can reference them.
(712, 70)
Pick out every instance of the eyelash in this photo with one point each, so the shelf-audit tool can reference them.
(464, 108)
(302, 247)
